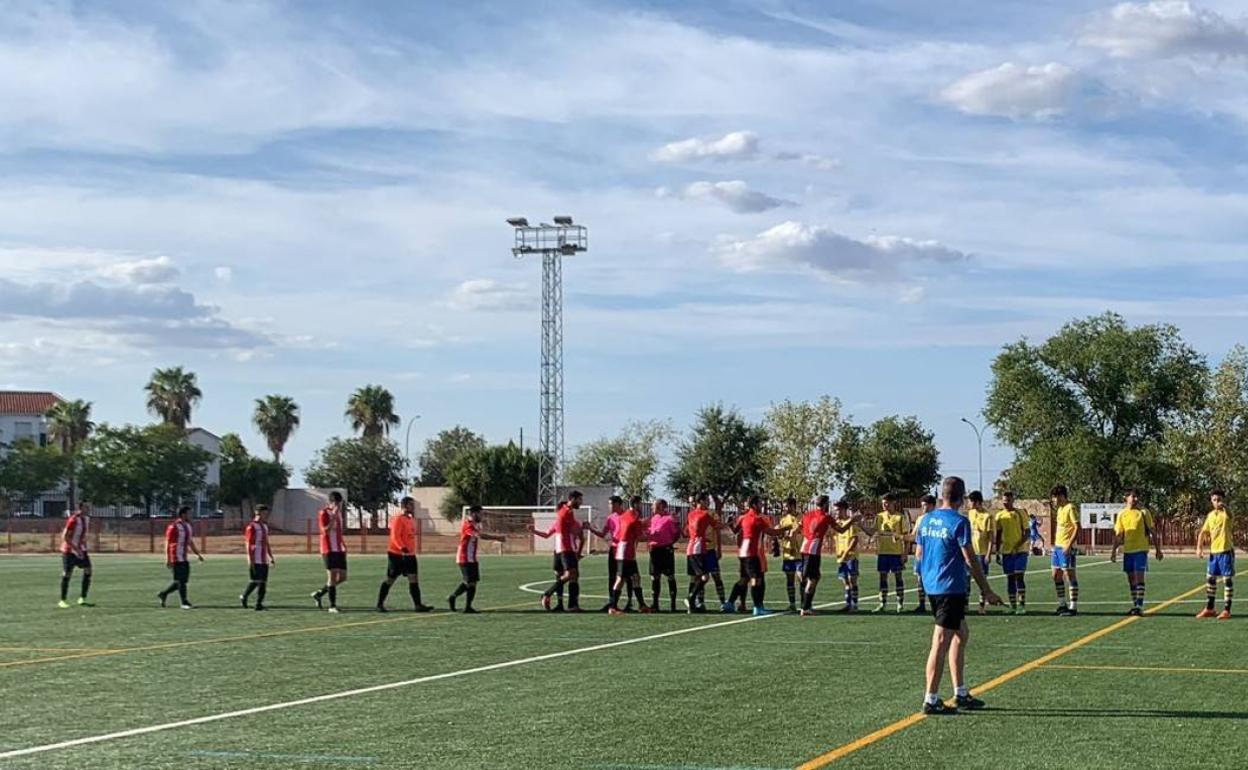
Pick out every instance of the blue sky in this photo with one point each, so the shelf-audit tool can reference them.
(785, 199)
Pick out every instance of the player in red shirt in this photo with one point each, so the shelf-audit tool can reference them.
(753, 529)
(259, 557)
(696, 527)
(466, 557)
(815, 526)
(568, 534)
(401, 557)
(631, 529)
(74, 554)
(331, 520)
(179, 540)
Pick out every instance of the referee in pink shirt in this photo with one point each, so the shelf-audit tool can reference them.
(664, 532)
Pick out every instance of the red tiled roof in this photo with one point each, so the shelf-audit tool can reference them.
(27, 401)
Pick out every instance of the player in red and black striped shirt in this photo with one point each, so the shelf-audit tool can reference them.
(74, 554)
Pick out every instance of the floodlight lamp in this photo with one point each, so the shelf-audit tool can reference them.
(518, 222)
(566, 221)
(568, 248)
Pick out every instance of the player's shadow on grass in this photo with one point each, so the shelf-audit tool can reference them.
(1116, 713)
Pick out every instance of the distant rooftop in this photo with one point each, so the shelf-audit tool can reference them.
(27, 401)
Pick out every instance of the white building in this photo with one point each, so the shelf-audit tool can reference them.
(211, 443)
(22, 416)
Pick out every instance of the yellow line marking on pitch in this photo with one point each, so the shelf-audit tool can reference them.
(824, 760)
(241, 638)
(1066, 667)
(58, 649)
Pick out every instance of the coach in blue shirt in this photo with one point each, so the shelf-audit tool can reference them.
(943, 548)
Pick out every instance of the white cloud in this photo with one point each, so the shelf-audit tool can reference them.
(223, 274)
(811, 159)
(488, 294)
(158, 270)
(738, 145)
(1163, 29)
(1015, 91)
(791, 245)
(735, 194)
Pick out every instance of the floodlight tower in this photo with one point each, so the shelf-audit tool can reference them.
(553, 243)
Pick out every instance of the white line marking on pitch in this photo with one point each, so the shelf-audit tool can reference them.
(389, 686)
(298, 758)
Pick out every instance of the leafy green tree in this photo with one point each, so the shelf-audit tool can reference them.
(895, 454)
(69, 424)
(28, 470)
(371, 411)
(628, 462)
(442, 450)
(722, 457)
(150, 467)
(172, 394)
(1091, 406)
(494, 475)
(806, 449)
(247, 480)
(276, 418)
(371, 469)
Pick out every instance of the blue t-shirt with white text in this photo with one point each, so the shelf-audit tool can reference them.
(942, 535)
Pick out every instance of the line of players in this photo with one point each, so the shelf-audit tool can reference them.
(1009, 536)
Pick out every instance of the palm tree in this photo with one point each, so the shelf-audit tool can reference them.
(276, 417)
(69, 424)
(371, 411)
(171, 395)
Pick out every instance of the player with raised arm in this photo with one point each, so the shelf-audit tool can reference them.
(179, 540)
(714, 550)
(984, 532)
(401, 557)
(1134, 531)
(848, 537)
(259, 557)
(891, 529)
(791, 551)
(946, 554)
(74, 554)
(1065, 551)
(466, 558)
(928, 503)
(330, 520)
(754, 528)
(815, 525)
(1014, 547)
(663, 532)
(628, 576)
(568, 533)
(1217, 533)
(611, 533)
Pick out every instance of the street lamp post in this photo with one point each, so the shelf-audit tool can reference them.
(407, 441)
(979, 440)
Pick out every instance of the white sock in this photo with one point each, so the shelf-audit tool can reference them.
(1072, 605)
(931, 698)
(962, 691)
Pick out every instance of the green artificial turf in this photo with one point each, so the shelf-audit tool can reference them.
(768, 693)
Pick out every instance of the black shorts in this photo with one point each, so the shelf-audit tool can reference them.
(613, 565)
(566, 562)
(335, 560)
(400, 564)
(470, 573)
(662, 561)
(812, 566)
(627, 569)
(181, 571)
(751, 567)
(258, 573)
(69, 561)
(695, 565)
(948, 609)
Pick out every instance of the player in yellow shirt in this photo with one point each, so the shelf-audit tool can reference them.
(983, 536)
(1133, 532)
(1066, 526)
(929, 504)
(1013, 547)
(890, 531)
(1217, 533)
(847, 555)
(791, 550)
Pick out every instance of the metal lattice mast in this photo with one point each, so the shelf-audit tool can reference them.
(553, 243)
